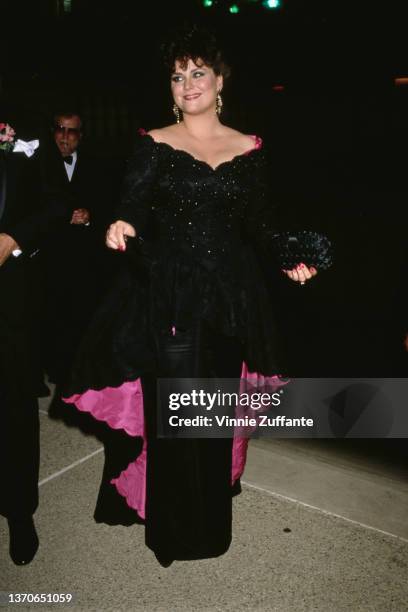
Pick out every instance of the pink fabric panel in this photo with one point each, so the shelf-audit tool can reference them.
(131, 483)
(239, 455)
(242, 434)
(261, 380)
(120, 407)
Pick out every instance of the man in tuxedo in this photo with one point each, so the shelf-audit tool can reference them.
(73, 259)
(67, 136)
(27, 216)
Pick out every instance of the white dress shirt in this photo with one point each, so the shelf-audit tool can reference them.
(70, 168)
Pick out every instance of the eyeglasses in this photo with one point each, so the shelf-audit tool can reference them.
(68, 131)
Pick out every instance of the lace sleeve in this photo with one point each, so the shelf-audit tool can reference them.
(139, 184)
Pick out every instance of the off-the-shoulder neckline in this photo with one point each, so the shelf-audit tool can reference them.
(257, 146)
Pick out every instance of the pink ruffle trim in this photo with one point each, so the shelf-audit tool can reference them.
(258, 144)
(131, 483)
(122, 408)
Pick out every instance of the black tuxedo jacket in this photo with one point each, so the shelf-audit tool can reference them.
(76, 191)
(75, 262)
(28, 215)
(27, 212)
(87, 188)
(65, 251)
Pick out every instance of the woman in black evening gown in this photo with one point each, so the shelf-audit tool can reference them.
(193, 302)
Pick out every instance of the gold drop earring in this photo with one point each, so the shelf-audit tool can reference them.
(176, 112)
(218, 104)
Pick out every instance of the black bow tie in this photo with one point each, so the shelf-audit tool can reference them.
(68, 159)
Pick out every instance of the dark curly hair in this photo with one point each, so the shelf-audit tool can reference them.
(197, 44)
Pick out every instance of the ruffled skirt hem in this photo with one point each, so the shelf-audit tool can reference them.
(122, 408)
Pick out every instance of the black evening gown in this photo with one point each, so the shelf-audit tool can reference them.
(193, 269)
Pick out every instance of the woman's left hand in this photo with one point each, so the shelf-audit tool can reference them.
(301, 273)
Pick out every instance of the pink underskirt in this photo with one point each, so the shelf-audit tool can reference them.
(122, 408)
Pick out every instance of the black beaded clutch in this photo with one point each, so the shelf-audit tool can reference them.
(309, 248)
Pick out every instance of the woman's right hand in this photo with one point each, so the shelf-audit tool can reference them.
(117, 234)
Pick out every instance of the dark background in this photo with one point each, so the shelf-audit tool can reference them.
(337, 61)
(336, 134)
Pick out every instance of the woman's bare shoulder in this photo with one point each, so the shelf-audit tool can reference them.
(240, 140)
(163, 134)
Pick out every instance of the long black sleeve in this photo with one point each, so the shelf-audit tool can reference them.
(261, 220)
(138, 187)
(31, 211)
(31, 231)
(38, 209)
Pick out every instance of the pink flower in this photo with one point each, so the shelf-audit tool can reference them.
(10, 131)
(6, 136)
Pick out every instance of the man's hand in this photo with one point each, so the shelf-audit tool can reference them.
(80, 216)
(7, 246)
